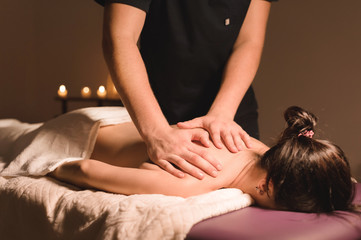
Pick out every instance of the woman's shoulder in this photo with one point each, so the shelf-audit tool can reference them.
(258, 146)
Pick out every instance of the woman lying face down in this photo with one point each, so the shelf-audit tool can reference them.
(299, 173)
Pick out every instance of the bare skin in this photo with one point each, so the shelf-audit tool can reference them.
(119, 164)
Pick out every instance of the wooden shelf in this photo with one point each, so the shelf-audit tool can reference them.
(99, 101)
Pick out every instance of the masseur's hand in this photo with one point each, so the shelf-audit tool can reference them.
(222, 131)
(178, 146)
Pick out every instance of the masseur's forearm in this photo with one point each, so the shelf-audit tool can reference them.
(130, 77)
(237, 78)
(122, 27)
(243, 63)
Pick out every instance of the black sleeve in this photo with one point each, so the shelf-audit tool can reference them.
(141, 4)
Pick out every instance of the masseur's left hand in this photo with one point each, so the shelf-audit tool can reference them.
(223, 132)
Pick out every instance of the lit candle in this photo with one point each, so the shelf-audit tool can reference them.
(85, 92)
(62, 92)
(102, 93)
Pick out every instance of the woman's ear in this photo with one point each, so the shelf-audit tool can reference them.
(262, 187)
(264, 196)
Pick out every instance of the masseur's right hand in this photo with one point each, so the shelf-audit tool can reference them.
(181, 147)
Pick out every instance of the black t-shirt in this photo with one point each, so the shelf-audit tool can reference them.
(185, 45)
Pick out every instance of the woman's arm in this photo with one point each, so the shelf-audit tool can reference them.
(91, 173)
(145, 178)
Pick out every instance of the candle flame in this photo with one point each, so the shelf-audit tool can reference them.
(62, 92)
(101, 89)
(86, 90)
(102, 93)
(62, 88)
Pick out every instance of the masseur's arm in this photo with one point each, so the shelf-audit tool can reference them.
(165, 145)
(238, 75)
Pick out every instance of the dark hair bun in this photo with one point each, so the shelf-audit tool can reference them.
(298, 121)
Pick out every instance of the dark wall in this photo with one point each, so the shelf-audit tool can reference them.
(312, 58)
(45, 44)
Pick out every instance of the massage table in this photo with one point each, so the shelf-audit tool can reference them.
(253, 223)
(43, 208)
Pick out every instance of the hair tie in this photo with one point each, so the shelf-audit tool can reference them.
(307, 133)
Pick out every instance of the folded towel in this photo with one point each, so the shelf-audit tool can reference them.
(37, 149)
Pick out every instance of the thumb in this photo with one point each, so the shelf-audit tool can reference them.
(194, 123)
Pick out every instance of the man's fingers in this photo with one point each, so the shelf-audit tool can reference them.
(184, 164)
(216, 139)
(189, 163)
(170, 168)
(194, 123)
(188, 167)
(229, 142)
(246, 139)
(239, 142)
(205, 161)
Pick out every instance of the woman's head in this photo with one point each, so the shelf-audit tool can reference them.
(307, 174)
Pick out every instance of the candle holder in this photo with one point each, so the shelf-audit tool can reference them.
(102, 98)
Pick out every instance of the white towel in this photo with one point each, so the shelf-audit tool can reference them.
(64, 212)
(37, 149)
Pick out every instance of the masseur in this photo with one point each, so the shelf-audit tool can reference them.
(196, 62)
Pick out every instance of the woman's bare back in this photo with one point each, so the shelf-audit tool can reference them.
(121, 145)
